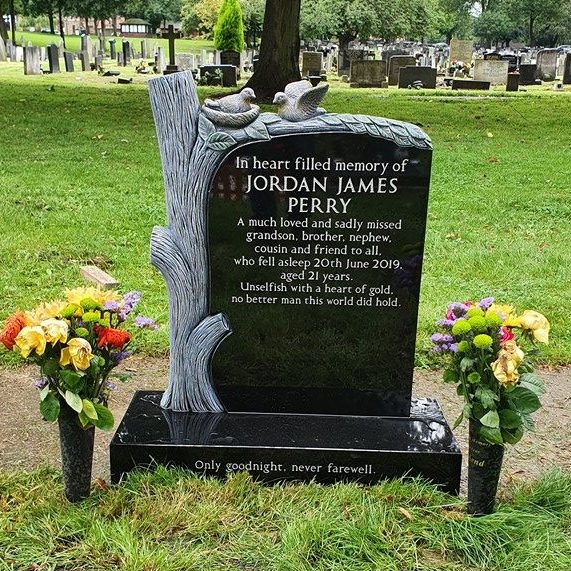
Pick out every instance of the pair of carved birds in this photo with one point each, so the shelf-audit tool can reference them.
(299, 101)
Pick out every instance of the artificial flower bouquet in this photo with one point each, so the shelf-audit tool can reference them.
(481, 344)
(76, 343)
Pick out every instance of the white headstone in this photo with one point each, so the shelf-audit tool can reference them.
(32, 61)
(3, 53)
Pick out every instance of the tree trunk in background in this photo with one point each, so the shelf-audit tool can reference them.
(3, 29)
(278, 63)
(52, 23)
(60, 18)
(87, 26)
(12, 20)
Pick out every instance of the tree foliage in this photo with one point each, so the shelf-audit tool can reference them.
(229, 29)
(154, 11)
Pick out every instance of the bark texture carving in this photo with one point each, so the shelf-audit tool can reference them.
(192, 148)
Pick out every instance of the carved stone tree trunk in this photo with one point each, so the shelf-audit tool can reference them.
(278, 63)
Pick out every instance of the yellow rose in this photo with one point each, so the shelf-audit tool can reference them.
(504, 311)
(44, 311)
(78, 353)
(31, 339)
(514, 352)
(55, 330)
(505, 369)
(537, 324)
(99, 295)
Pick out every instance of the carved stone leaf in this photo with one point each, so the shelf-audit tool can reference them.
(220, 141)
(357, 127)
(205, 128)
(348, 119)
(269, 118)
(364, 118)
(257, 131)
(373, 130)
(331, 120)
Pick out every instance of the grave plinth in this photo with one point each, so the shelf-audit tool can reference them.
(293, 260)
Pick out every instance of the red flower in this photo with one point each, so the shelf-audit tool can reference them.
(12, 327)
(112, 338)
(506, 334)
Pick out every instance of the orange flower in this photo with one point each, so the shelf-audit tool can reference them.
(12, 327)
(112, 338)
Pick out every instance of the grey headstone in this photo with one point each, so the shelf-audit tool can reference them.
(160, 60)
(527, 73)
(311, 63)
(410, 74)
(368, 73)
(32, 61)
(68, 60)
(185, 62)
(84, 59)
(86, 44)
(395, 63)
(513, 82)
(144, 49)
(547, 65)
(494, 71)
(126, 50)
(113, 49)
(53, 58)
(3, 51)
(567, 70)
(19, 53)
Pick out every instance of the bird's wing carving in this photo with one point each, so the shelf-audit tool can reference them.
(212, 103)
(297, 88)
(309, 101)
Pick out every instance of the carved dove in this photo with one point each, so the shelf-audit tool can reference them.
(238, 103)
(299, 101)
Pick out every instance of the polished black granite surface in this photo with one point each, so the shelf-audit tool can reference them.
(275, 447)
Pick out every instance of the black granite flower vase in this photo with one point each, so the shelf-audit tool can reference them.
(484, 466)
(76, 454)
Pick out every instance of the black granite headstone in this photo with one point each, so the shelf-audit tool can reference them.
(126, 51)
(53, 58)
(470, 84)
(231, 58)
(527, 73)
(68, 60)
(417, 73)
(112, 49)
(228, 72)
(294, 259)
(567, 70)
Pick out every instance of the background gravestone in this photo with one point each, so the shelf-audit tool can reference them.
(527, 73)
(3, 51)
(32, 61)
(53, 58)
(113, 48)
(231, 58)
(494, 71)
(395, 63)
(425, 74)
(86, 44)
(311, 63)
(68, 61)
(567, 70)
(229, 76)
(368, 73)
(470, 84)
(547, 65)
(293, 262)
(84, 59)
(461, 50)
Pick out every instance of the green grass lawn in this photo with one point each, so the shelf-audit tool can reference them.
(73, 43)
(172, 521)
(80, 182)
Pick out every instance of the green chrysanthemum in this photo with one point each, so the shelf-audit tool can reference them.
(483, 341)
(461, 327)
(493, 319)
(478, 324)
(81, 332)
(463, 347)
(90, 317)
(89, 304)
(474, 312)
(69, 311)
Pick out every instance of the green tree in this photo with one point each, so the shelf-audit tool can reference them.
(41, 8)
(454, 19)
(229, 29)
(253, 15)
(495, 26)
(156, 12)
(538, 16)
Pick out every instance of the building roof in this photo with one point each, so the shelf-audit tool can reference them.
(137, 21)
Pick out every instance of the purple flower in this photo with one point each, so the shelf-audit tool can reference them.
(110, 385)
(145, 323)
(484, 304)
(120, 356)
(446, 322)
(40, 383)
(111, 306)
(130, 301)
(453, 347)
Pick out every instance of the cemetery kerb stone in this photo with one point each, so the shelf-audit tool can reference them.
(395, 63)
(425, 74)
(368, 73)
(293, 258)
(494, 71)
(470, 84)
(567, 70)
(461, 50)
(547, 64)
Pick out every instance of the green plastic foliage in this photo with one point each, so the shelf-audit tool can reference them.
(229, 29)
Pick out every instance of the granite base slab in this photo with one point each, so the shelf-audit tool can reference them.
(276, 447)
